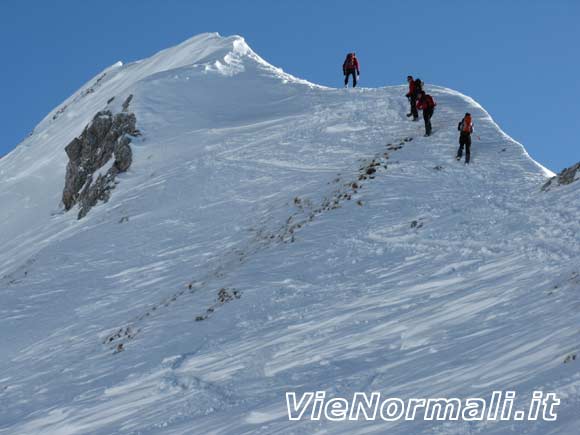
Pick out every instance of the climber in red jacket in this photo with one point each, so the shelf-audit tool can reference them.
(412, 96)
(427, 104)
(350, 66)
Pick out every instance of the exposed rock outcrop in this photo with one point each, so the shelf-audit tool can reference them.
(106, 137)
(567, 176)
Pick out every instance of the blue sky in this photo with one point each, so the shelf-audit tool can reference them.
(518, 58)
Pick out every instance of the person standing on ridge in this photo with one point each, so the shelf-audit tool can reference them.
(412, 97)
(350, 66)
(466, 128)
(427, 104)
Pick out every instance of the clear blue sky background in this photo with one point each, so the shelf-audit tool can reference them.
(518, 58)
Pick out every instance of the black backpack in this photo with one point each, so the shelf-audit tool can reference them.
(418, 85)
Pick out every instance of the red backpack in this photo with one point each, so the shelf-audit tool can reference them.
(350, 62)
(467, 124)
(426, 102)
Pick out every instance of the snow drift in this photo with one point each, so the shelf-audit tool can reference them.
(274, 235)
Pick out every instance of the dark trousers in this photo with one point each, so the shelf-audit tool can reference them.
(347, 73)
(413, 102)
(464, 141)
(427, 114)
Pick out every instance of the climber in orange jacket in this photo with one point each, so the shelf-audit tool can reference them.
(466, 128)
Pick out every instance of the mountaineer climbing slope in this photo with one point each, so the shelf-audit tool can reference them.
(427, 104)
(412, 97)
(465, 128)
(350, 67)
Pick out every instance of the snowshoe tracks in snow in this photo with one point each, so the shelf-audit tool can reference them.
(224, 296)
(307, 211)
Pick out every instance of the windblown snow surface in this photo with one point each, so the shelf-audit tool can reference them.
(428, 278)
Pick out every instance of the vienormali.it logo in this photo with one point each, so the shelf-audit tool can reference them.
(363, 406)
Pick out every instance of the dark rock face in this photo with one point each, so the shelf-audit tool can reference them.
(107, 136)
(567, 176)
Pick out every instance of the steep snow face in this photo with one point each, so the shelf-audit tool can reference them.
(273, 235)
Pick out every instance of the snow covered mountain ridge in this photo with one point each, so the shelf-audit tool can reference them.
(273, 235)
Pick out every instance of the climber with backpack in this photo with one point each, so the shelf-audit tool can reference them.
(412, 97)
(427, 104)
(465, 127)
(350, 66)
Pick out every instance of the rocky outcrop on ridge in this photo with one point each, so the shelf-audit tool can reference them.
(567, 176)
(103, 143)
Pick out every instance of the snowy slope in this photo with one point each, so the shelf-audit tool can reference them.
(428, 279)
